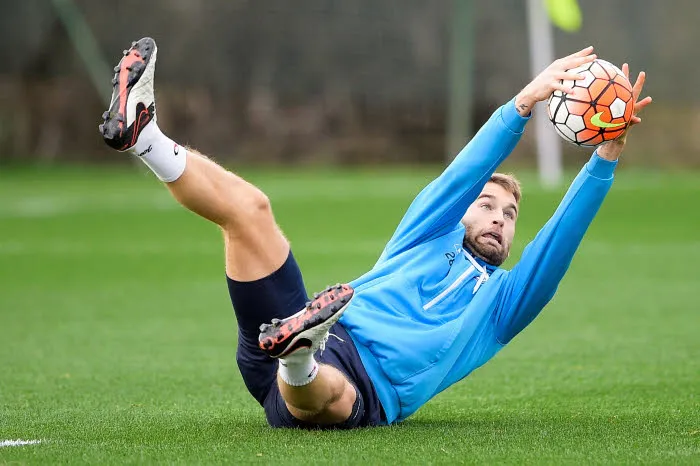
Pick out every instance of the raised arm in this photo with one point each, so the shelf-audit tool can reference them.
(534, 280)
(440, 206)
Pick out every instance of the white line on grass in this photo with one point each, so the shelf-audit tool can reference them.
(72, 248)
(43, 207)
(56, 247)
(18, 443)
(280, 191)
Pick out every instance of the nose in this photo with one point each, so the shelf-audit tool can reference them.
(498, 220)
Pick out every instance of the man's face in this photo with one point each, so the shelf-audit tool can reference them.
(490, 224)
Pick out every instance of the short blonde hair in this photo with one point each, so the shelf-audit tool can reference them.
(508, 182)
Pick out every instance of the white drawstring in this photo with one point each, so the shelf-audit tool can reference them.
(465, 275)
(482, 279)
(322, 346)
(484, 275)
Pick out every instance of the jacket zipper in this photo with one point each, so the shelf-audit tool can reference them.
(449, 289)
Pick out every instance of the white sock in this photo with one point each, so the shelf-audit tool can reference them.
(298, 370)
(164, 157)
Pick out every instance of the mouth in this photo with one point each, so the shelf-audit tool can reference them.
(492, 236)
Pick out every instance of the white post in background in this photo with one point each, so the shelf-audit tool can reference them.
(86, 46)
(549, 158)
(460, 91)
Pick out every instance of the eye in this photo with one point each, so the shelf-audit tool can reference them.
(486, 206)
(509, 215)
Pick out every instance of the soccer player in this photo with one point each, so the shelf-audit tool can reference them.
(433, 308)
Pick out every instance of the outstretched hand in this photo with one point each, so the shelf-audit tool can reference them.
(613, 149)
(550, 80)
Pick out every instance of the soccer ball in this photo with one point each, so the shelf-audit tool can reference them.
(600, 108)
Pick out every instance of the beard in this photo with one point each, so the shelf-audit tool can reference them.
(490, 254)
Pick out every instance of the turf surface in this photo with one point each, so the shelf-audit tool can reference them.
(118, 338)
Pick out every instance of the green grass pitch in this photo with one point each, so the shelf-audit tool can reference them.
(118, 337)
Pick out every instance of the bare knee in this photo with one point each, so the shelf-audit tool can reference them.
(255, 245)
(259, 202)
(252, 211)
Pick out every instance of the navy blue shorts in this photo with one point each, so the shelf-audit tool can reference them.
(281, 295)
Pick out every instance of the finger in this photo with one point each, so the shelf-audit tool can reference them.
(635, 120)
(626, 70)
(639, 85)
(573, 62)
(569, 75)
(581, 53)
(645, 101)
(639, 106)
(563, 88)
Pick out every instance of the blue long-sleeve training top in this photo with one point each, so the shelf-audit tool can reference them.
(429, 313)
